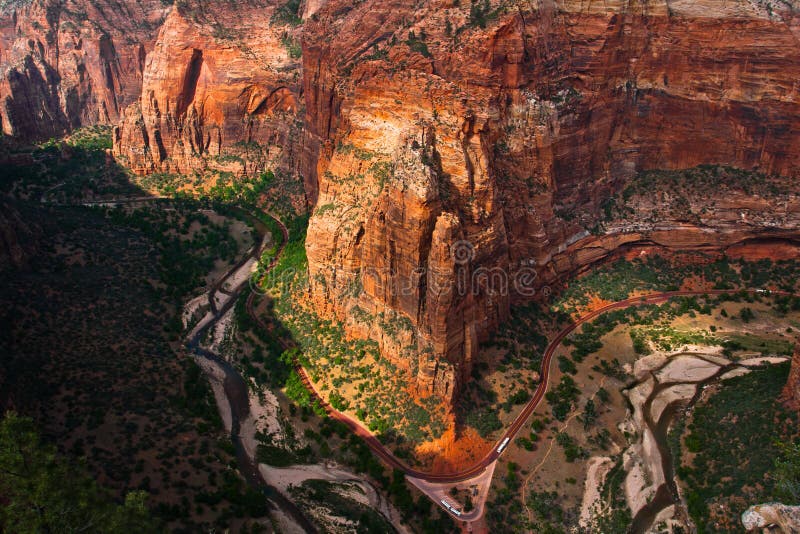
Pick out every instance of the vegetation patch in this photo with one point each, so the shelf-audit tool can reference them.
(620, 279)
(731, 445)
(44, 492)
(89, 344)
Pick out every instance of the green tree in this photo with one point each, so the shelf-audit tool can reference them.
(43, 493)
(589, 414)
(296, 390)
(787, 473)
(565, 365)
(468, 505)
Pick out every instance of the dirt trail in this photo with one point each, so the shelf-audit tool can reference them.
(575, 413)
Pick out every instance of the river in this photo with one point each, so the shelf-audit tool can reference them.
(235, 387)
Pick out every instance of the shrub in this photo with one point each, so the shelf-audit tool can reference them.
(288, 13)
(565, 365)
(562, 397)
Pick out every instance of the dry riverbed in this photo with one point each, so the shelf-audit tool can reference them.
(652, 389)
(265, 418)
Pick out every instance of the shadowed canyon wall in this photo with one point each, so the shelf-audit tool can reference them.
(459, 155)
(64, 64)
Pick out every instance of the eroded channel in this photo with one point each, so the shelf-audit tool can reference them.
(667, 400)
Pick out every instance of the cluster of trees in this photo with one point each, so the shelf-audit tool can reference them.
(562, 397)
(185, 262)
(43, 492)
(744, 445)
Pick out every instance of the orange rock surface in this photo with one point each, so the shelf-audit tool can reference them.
(457, 155)
(219, 75)
(64, 64)
(456, 168)
(453, 451)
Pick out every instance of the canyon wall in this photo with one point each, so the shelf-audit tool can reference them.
(64, 64)
(221, 75)
(459, 154)
(184, 81)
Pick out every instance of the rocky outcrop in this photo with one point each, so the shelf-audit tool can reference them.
(772, 517)
(67, 64)
(459, 155)
(310, 7)
(219, 76)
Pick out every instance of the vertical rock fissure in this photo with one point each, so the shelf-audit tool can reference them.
(189, 88)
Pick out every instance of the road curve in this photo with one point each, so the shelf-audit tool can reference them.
(392, 461)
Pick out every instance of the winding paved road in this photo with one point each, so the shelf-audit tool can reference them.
(371, 440)
(393, 462)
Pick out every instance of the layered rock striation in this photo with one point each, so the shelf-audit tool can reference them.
(459, 156)
(219, 76)
(64, 64)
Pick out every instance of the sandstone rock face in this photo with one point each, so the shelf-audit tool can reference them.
(64, 64)
(219, 75)
(458, 155)
(310, 7)
(772, 517)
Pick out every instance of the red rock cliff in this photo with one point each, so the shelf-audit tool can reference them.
(457, 153)
(64, 64)
(220, 74)
(453, 149)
